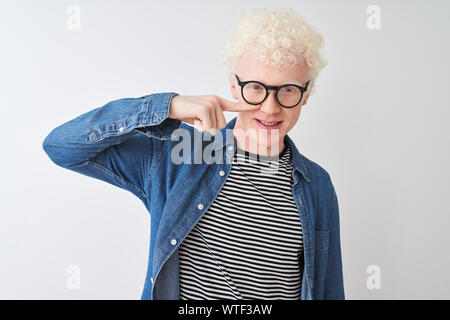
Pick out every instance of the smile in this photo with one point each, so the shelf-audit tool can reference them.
(272, 124)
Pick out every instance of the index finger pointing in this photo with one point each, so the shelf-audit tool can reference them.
(228, 105)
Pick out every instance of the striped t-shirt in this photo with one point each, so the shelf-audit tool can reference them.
(249, 243)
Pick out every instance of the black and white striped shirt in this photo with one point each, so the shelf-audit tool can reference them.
(249, 243)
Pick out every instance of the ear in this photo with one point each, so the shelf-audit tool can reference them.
(234, 88)
(307, 93)
(305, 98)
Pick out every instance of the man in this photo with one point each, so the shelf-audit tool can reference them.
(236, 211)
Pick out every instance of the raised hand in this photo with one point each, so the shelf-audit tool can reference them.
(205, 112)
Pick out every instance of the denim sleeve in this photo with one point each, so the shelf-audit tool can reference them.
(334, 282)
(117, 142)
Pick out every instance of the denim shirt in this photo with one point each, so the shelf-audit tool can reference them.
(128, 143)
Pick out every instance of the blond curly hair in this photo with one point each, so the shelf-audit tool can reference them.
(278, 37)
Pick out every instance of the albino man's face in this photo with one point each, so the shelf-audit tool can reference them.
(249, 133)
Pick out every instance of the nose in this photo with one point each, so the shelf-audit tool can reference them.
(271, 105)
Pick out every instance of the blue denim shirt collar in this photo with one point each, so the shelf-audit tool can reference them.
(297, 158)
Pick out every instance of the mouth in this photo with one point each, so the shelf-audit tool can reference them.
(268, 125)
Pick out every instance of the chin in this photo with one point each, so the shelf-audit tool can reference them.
(268, 143)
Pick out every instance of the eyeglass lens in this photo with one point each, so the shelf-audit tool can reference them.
(287, 96)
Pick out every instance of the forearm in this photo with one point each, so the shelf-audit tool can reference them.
(87, 135)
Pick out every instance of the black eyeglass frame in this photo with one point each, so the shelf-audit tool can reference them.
(302, 90)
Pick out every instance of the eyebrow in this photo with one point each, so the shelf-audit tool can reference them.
(290, 82)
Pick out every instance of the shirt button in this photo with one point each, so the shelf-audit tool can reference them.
(222, 173)
(200, 206)
(151, 279)
(121, 129)
(173, 242)
(155, 116)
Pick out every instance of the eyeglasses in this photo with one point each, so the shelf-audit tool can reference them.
(288, 95)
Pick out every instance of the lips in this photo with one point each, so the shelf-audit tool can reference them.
(271, 123)
(268, 124)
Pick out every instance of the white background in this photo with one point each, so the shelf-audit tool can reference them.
(377, 122)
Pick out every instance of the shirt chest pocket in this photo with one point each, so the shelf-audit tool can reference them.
(322, 237)
(321, 253)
